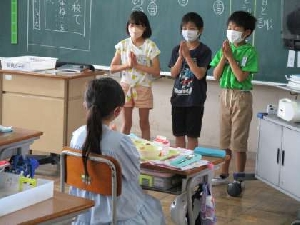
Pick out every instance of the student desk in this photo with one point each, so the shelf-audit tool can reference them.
(59, 209)
(51, 103)
(190, 179)
(17, 142)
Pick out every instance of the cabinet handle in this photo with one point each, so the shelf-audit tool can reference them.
(278, 155)
(283, 154)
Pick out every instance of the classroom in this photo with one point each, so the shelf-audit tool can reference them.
(84, 33)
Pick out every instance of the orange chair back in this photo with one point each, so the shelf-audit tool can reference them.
(100, 173)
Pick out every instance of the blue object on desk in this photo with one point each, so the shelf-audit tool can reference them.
(22, 165)
(261, 115)
(185, 160)
(210, 152)
(4, 129)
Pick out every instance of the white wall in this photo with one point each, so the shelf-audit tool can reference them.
(160, 116)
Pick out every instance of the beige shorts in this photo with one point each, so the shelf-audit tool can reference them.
(236, 116)
(143, 98)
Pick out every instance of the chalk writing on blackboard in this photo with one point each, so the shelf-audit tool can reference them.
(247, 6)
(65, 16)
(183, 2)
(263, 20)
(137, 8)
(61, 21)
(152, 7)
(137, 5)
(218, 7)
(36, 15)
(138, 2)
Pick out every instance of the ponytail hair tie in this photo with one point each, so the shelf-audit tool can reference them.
(95, 109)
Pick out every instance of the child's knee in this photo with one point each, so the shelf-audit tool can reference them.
(228, 152)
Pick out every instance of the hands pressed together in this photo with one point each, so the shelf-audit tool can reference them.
(132, 61)
(154, 69)
(226, 50)
(184, 51)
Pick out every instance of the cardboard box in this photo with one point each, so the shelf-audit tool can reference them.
(11, 199)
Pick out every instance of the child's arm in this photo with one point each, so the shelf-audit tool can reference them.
(116, 65)
(219, 68)
(154, 69)
(199, 72)
(175, 70)
(239, 74)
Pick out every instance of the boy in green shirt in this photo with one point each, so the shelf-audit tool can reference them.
(235, 63)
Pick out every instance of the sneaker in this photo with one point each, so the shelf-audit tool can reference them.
(220, 180)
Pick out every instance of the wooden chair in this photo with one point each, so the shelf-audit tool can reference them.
(105, 175)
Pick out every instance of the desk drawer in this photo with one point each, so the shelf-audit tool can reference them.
(37, 113)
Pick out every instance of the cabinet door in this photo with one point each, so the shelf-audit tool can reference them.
(268, 152)
(290, 165)
(37, 113)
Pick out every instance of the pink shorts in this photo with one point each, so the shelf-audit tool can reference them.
(143, 99)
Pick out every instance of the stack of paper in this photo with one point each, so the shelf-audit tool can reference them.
(294, 82)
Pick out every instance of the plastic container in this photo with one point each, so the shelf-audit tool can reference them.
(212, 152)
(11, 199)
(158, 180)
(28, 63)
(147, 149)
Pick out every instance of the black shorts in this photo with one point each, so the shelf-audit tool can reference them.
(187, 121)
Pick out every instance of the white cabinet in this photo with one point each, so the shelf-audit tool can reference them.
(268, 154)
(278, 155)
(290, 163)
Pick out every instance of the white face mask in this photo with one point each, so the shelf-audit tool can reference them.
(190, 35)
(135, 32)
(234, 36)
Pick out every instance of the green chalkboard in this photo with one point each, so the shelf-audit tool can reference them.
(86, 31)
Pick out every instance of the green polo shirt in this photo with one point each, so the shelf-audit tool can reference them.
(246, 57)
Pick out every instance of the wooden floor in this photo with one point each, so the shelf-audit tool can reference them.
(259, 204)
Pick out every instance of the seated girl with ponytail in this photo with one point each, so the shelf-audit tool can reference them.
(133, 205)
